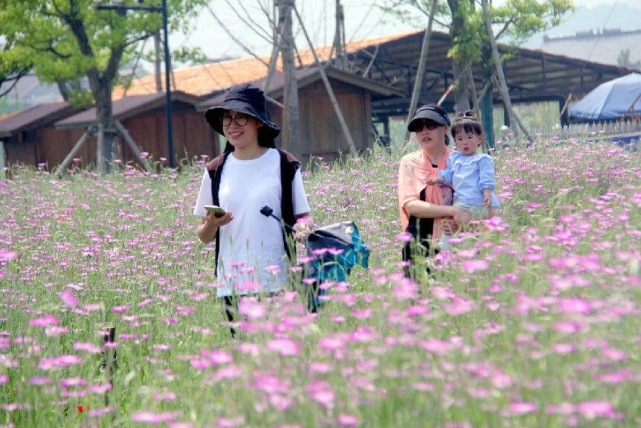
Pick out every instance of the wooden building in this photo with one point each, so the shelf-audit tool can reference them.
(30, 138)
(320, 130)
(144, 117)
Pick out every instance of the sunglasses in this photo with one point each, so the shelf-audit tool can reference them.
(426, 123)
(239, 119)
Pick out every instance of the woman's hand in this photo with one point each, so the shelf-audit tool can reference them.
(210, 224)
(461, 218)
(303, 227)
(212, 221)
(448, 225)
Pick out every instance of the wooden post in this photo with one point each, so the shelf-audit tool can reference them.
(90, 131)
(3, 160)
(328, 87)
(420, 72)
(133, 146)
(157, 61)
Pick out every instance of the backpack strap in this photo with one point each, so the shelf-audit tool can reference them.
(215, 169)
(288, 167)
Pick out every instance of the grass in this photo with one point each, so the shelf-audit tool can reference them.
(533, 322)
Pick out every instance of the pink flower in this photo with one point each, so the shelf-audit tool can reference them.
(459, 306)
(471, 266)
(347, 420)
(284, 346)
(68, 298)
(251, 308)
(155, 418)
(46, 321)
(594, 409)
(574, 306)
(61, 361)
(87, 347)
(521, 408)
(74, 381)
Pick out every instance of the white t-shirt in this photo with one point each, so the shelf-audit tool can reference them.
(252, 254)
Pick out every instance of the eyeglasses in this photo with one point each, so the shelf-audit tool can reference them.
(239, 119)
(429, 124)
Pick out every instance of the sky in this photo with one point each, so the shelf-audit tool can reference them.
(362, 20)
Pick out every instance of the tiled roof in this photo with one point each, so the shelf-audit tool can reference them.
(205, 80)
(305, 76)
(126, 107)
(34, 117)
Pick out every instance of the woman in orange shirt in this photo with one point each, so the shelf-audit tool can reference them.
(426, 210)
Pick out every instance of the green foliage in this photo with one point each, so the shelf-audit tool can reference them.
(515, 21)
(70, 39)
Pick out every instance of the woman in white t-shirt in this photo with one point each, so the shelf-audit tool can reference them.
(251, 253)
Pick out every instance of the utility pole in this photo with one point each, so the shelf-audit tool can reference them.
(291, 120)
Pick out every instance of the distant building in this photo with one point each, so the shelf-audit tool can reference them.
(28, 92)
(606, 46)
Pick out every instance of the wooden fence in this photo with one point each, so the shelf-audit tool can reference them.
(624, 133)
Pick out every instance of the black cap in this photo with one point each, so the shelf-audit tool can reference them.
(431, 112)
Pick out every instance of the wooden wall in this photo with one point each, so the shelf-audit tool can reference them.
(47, 145)
(192, 134)
(321, 131)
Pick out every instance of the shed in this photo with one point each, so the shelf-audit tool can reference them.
(29, 137)
(321, 132)
(143, 116)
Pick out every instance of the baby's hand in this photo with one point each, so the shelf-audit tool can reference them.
(435, 180)
(487, 198)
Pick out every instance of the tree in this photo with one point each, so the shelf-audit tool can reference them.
(69, 39)
(14, 61)
(515, 21)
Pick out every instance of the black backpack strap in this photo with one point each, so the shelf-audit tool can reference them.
(215, 169)
(288, 167)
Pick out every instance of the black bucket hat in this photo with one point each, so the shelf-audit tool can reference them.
(430, 112)
(244, 98)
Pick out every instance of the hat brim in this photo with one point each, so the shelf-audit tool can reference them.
(426, 114)
(214, 115)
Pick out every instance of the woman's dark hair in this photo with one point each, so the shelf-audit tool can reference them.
(466, 122)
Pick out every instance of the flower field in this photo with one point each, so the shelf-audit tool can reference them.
(533, 322)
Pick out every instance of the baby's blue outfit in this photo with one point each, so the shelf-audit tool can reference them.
(468, 176)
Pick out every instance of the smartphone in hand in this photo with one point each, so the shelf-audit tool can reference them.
(218, 211)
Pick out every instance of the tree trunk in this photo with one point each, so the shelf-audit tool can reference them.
(291, 131)
(104, 117)
(461, 89)
(503, 90)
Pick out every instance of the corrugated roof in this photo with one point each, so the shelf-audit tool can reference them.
(127, 107)
(34, 117)
(602, 48)
(207, 79)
